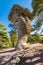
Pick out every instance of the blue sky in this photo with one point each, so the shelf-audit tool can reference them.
(5, 6)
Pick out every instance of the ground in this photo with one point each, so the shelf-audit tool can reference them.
(31, 56)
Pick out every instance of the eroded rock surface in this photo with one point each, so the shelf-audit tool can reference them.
(21, 17)
(32, 56)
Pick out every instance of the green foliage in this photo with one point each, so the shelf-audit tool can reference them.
(35, 38)
(35, 5)
(14, 38)
(42, 39)
(37, 25)
(13, 35)
(4, 39)
(31, 39)
(2, 27)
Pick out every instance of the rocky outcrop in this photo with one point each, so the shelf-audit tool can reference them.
(32, 56)
(21, 17)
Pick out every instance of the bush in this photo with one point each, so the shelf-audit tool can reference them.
(35, 38)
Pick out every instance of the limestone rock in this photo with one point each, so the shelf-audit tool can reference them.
(21, 17)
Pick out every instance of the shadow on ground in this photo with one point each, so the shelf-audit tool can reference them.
(36, 59)
(7, 51)
(32, 60)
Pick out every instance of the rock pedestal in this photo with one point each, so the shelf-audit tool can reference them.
(21, 17)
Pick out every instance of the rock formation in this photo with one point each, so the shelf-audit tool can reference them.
(21, 17)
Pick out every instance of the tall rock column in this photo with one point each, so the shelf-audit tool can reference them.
(21, 18)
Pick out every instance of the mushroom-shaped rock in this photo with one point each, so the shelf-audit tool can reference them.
(21, 17)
